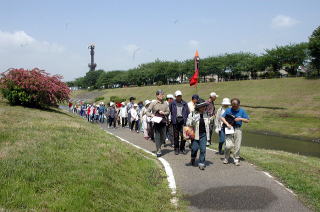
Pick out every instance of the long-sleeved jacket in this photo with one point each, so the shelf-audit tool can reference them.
(134, 114)
(194, 121)
(158, 106)
(218, 123)
(173, 110)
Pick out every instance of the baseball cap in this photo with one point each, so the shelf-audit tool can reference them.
(178, 93)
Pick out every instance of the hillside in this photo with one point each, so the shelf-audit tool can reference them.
(288, 106)
(54, 161)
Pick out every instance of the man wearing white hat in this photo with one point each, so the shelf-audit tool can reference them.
(179, 115)
(211, 112)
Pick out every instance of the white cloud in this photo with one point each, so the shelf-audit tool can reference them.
(282, 21)
(20, 39)
(194, 43)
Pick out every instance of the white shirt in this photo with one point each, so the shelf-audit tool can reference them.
(123, 112)
(191, 106)
(134, 114)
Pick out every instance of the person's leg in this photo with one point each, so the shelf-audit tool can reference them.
(171, 134)
(228, 147)
(194, 149)
(157, 139)
(176, 138)
(132, 125)
(202, 156)
(129, 120)
(137, 125)
(222, 139)
(182, 141)
(237, 144)
(163, 134)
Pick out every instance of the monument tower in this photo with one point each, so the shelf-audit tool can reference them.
(92, 65)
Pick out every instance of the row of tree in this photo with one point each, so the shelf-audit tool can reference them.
(240, 65)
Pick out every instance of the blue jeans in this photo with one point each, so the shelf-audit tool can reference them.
(200, 144)
(222, 135)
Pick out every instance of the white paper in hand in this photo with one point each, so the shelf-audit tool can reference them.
(229, 131)
(156, 119)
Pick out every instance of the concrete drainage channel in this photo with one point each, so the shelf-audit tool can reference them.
(166, 165)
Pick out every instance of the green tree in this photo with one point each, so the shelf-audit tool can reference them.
(314, 48)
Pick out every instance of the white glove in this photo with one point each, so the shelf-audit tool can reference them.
(217, 130)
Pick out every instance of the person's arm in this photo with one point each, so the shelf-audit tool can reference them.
(149, 110)
(242, 119)
(190, 120)
(225, 122)
(166, 111)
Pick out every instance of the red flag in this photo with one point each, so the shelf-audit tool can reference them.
(194, 79)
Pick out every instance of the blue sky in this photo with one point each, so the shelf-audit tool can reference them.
(54, 35)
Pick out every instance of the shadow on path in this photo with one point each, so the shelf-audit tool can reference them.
(233, 198)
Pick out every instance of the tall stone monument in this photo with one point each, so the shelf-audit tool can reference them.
(92, 65)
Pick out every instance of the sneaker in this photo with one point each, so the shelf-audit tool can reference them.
(202, 166)
(208, 144)
(225, 161)
(237, 163)
(183, 151)
(176, 152)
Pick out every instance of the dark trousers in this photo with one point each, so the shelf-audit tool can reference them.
(112, 121)
(134, 124)
(129, 120)
(177, 133)
(151, 130)
(124, 121)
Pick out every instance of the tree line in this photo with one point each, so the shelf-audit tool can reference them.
(233, 66)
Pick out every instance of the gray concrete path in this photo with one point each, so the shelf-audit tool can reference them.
(221, 187)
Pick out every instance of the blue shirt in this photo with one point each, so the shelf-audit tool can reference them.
(240, 113)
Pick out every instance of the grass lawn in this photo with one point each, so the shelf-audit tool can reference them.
(54, 161)
(288, 106)
(297, 172)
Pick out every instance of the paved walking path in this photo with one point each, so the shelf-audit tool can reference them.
(221, 187)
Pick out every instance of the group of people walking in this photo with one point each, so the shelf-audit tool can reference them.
(171, 119)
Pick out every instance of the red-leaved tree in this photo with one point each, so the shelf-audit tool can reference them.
(33, 88)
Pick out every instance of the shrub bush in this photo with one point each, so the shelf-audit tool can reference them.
(33, 88)
(99, 99)
(117, 99)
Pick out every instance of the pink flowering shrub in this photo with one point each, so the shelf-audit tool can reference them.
(33, 88)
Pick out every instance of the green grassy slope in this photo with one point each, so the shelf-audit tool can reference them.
(283, 106)
(54, 161)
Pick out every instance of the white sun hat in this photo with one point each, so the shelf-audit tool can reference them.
(226, 101)
(135, 105)
(178, 93)
(147, 102)
(111, 104)
(170, 96)
(213, 94)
